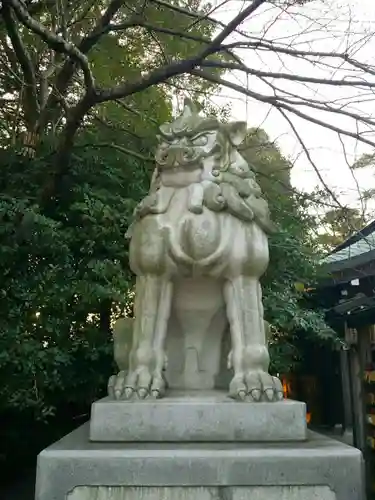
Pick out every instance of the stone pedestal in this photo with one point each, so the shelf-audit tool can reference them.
(208, 416)
(318, 469)
(215, 450)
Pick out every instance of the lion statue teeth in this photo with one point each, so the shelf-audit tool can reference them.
(198, 246)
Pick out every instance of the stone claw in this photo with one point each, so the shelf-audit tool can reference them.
(280, 395)
(242, 395)
(158, 386)
(237, 388)
(128, 393)
(255, 394)
(270, 394)
(139, 384)
(142, 393)
(255, 386)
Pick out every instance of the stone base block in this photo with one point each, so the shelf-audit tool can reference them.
(203, 416)
(318, 469)
(206, 493)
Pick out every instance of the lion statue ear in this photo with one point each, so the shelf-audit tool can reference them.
(236, 132)
(191, 107)
(165, 129)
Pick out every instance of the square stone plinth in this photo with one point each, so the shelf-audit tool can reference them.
(208, 417)
(317, 469)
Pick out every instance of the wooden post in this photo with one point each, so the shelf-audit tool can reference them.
(364, 357)
(358, 361)
(358, 416)
(346, 392)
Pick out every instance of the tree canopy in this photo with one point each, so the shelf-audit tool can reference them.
(338, 224)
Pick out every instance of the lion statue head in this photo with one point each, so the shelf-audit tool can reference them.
(201, 153)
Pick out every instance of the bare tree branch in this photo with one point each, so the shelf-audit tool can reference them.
(353, 176)
(158, 29)
(155, 77)
(56, 42)
(138, 22)
(23, 57)
(36, 7)
(82, 15)
(274, 101)
(116, 127)
(102, 26)
(308, 156)
(117, 147)
(65, 75)
(11, 56)
(286, 76)
(231, 27)
(61, 166)
(208, 15)
(77, 54)
(268, 45)
(135, 112)
(315, 104)
(62, 14)
(189, 13)
(163, 73)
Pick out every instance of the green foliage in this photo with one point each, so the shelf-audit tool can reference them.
(120, 55)
(294, 260)
(272, 167)
(294, 256)
(61, 269)
(338, 224)
(64, 277)
(366, 160)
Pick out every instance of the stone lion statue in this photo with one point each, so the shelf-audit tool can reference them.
(198, 248)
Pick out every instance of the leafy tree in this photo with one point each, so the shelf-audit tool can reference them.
(365, 161)
(64, 276)
(272, 167)
(338, 224)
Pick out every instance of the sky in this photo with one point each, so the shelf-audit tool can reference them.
(329, 25)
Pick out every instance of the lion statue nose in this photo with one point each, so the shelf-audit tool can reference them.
(173, 156)
(176, 155)
(167, 157)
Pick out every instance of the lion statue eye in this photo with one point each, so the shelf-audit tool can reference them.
(201, 140)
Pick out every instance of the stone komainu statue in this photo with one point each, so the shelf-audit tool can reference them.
(198, 247)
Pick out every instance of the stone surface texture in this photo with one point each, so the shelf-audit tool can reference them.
(236, 469)
(221, 493)
(197, 416)
(198, 246)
